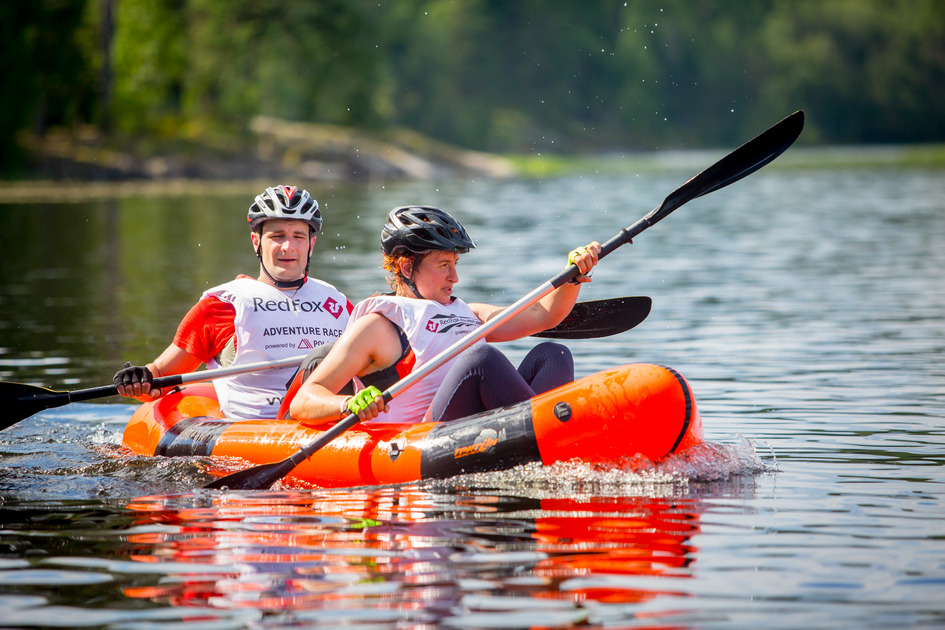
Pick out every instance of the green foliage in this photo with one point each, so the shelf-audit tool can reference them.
(47, 77)
(870, 70)
(527, 76)
(293, 60)
(150, 61)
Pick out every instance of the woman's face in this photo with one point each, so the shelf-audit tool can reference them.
(434, 276)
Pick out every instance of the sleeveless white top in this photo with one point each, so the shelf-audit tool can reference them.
(430, 327)
(271, 324)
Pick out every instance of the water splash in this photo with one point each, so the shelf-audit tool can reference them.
(708, 462)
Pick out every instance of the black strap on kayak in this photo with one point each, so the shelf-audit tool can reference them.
(191, 437)
(687, 395)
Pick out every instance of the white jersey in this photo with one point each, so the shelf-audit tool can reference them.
(430, 327)
(271, 324)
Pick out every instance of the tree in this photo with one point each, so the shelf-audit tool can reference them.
(47, 77)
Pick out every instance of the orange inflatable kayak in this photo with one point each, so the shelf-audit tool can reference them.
(607, 417)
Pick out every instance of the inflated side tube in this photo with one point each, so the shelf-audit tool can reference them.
(606, 418)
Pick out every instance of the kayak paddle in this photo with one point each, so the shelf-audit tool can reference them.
(740, 163)
(20, 401)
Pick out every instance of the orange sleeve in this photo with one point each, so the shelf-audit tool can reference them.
(206, 328)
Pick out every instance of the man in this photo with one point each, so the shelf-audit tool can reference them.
(281, 313)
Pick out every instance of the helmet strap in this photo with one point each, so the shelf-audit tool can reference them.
(409, 281)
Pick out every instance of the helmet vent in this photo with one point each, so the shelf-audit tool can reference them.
(285, 202)
(420, 229)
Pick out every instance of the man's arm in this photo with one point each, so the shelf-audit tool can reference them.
(173, 360)
(201, 335)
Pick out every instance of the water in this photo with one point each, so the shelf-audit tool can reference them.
(806, 309)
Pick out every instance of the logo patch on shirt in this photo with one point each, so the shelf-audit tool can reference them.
(291, 305)
(334, 308)
(446, 323)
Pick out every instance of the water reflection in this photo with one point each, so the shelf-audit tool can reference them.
(410, 553)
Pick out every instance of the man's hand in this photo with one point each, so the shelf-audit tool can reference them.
(134, 381)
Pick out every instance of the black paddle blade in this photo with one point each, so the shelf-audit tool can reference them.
(256, 478)
(601, 318)
(740, 163)
(262, 477)
(19, 401)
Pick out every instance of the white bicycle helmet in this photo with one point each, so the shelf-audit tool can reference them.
(285, 202)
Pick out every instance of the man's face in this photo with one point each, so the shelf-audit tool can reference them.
(285, 246)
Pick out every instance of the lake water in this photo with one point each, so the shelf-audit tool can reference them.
(805, 307)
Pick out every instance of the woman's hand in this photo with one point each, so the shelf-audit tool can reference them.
(367, 403)
(586, 259)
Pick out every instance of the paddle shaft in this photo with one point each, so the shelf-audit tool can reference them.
(425, 370)
(53, 398)
(209, 375)
(745, 160)
(265, 475)
(261, 477)
(587, 320)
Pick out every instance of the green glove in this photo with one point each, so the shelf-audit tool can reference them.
(363, 399)
(574, 254)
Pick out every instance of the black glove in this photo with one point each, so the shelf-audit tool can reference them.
(131, 375)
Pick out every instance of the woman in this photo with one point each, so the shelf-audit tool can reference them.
(388, 335)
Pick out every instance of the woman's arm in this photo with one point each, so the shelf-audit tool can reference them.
(549, 311)
(369, 344)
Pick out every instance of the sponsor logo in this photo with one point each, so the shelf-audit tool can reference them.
(334, 308)
(303, 344)
(445, 323)
(485, 442)
(289, 305)
(317, 331)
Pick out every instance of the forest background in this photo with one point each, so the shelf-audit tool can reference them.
(122, 81)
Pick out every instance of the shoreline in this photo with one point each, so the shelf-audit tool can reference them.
(50, 189)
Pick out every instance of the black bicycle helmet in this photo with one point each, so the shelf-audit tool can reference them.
(421, 229)
(285, 202)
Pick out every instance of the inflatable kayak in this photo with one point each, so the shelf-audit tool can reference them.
(605, 418)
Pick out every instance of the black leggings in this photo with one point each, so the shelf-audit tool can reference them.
(483, 378)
